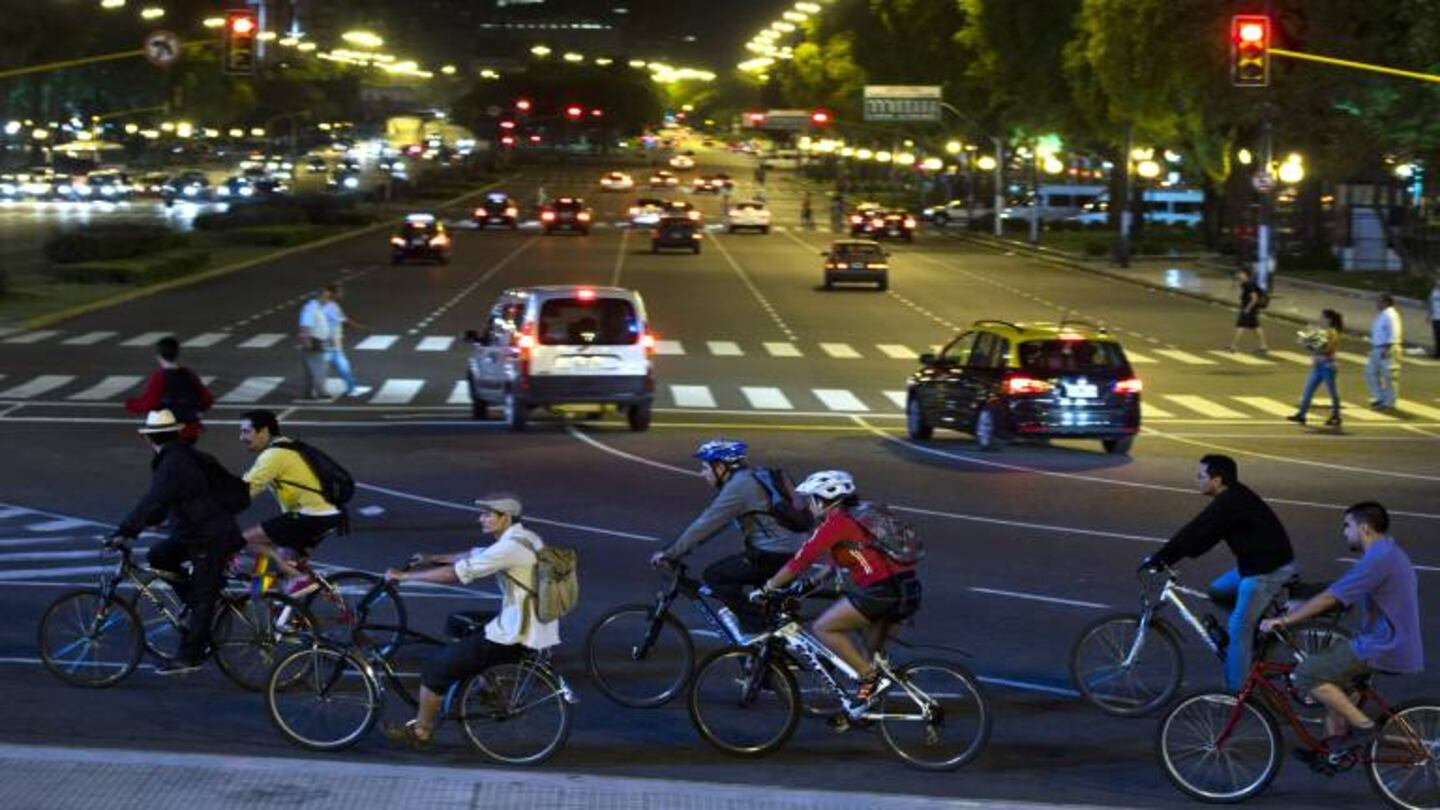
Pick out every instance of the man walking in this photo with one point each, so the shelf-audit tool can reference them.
(1435, 316)
(1382, 370)
(174, 388)
(314, 339)
(336, 320)
(1252, 297)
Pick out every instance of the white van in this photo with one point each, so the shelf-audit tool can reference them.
(563, 345)
(1056, 202)
(1163, 206)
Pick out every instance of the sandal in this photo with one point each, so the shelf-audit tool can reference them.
(406, 735)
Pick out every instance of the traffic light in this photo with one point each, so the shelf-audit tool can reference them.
(241, 30)
(821, 118)
(522, 104)
(1250, 50)
(507, 124)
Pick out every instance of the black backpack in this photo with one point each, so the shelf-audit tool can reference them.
(182, 395)
(337, 485)
(785, 507)
(1262, 298)
(228, 489)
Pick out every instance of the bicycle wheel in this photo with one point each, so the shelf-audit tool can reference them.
(1200, 764)
(360, 601)
(935, 717)
(515, 713)
(87, 639)
(1404, 762)
(250, 635)
(162, 635)
(636, 660)
(740, 708)
(1097, 666)
(322, 698)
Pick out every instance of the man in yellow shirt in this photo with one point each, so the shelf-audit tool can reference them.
(306, 517)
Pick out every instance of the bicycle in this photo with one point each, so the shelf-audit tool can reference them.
(932, 714)
(1129, 665)
(1219, 747)
(96, 637)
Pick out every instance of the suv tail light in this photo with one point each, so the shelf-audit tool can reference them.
(910, 222)
(524, 340)
(583, 216)
(1129, 385)
(439, 240)
(547, 216)
(511, 211)
(1021, 385)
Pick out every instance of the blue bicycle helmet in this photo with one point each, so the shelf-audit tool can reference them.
(723, 451)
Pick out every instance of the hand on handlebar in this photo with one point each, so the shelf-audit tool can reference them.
(1271, 625)
(659, 561)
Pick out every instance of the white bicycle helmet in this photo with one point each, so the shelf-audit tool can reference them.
(828, 485)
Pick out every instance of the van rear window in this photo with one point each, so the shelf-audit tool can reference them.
(597, 322)
(1070, 356)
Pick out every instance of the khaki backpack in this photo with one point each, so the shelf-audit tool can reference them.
(557, 582)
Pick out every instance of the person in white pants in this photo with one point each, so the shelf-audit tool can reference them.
(1382, 370)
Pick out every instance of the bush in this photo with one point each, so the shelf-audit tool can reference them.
(1319, 257)
(275, 235)
(250, 216)
(107, 242)
(1098, 248)
(142, 270)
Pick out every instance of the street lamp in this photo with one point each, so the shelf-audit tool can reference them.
(1148, 169)
(953, 147)
(571, 56)
(1292, 170)
(363, 39)
(541, 51)
(985, 163)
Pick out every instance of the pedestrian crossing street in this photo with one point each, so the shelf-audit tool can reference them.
(39, 546)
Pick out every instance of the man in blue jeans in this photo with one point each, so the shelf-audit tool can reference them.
(1264, 560)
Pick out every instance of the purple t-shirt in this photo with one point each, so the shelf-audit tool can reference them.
(1383, 581)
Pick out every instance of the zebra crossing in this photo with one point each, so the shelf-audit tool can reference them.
(41, 546)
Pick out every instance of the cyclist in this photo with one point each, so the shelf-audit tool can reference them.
(1263, 556)
(512, 558)
(1389, 637)
(744, 502)
(880, 592)
(305, 516)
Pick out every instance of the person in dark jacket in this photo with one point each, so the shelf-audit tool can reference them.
(175, 388)
(201, 531)
(1263, 556)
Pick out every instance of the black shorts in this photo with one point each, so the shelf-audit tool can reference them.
(300, 532)
(894, 599)
(1248, 320)
(463, 659)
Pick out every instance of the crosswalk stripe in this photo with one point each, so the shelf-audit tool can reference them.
(40, 385)
(1352, 357)
(842, 351)
(1359, 413)
(33, 573)
(205, 340)
(88, 339)
(897, 397)
(58, 524)
(106, 388)
(838, 399)
(251, 389)
(1149, 411)
(669, 347)
(724, 348)
(376, 343)
(1204, 406)
(49, 556)
(782, 349)
(144, 339)
(1137, 358)
(435, 343)
(1422, 361)
(460, 394)
(1242, 359)
(692, 396)
(263, 340)
(896, 351)
(1185, 357)
(1295, 357)
(1268, 405)
(1410, 406)
(397, 392)
(771, 399)
(33, 337)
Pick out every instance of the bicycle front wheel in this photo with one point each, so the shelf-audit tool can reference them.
(637, 659)
(516, 713)
(742, 708)
(935, 717)
(360, 601)
(322, 698)
(250, 635)
(88, 639)
(1216, 749)
(1150, 679)
(1405, 759)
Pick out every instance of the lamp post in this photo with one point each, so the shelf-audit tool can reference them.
(999, 164)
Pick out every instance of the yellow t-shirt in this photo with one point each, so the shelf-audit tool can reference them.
(283, 471)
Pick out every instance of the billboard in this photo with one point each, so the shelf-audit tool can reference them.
(902, 102)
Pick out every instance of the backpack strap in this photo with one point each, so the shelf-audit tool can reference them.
(530, 604)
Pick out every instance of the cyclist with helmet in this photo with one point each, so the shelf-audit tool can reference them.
(880, 592)
(744, 502)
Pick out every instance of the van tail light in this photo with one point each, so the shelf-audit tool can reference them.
(1021, 386)
(547, 216)
(583, 216)
(440, 240)
(525, 341)
(647, 342)
(856, 220)
(1129, 385)
(397, 241)
(481, 212)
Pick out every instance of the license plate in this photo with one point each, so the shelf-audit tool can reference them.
(1081, 391)
(583, 363)
(857, 265)
(417, 243)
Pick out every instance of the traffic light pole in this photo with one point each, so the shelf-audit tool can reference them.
(1263, 247)
(999, 167)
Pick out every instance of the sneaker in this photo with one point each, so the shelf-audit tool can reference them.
(178, 666)
(301, 586)
(1357, 740)
(1333, 421)
(1297, 418)
(406, 735)
(359, 391)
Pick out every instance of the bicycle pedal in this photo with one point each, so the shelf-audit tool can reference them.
(838, 723)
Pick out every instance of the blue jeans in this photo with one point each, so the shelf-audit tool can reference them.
(1323, 370)
(335, 355)
(1251, 596)
(1382, 375)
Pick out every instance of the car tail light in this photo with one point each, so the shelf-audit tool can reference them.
(856, 220)
(585, 294)
(693, 214)
(439, 240)
(480, 212)
(1021, 385)
(583, 216)
(547, 216)
(397, 241)
(878, 223)
(910, 222)
(1129, 385)
(511, 211)
(647, 342)
(634, 209)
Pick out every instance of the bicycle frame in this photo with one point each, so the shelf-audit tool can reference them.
(1170, 595)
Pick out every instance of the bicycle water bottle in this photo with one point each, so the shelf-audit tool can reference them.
(732, 624)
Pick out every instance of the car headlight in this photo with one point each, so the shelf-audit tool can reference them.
(352, 182)
(223, 191)
(246, 191)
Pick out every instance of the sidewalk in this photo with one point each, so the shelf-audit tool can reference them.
(50, 778)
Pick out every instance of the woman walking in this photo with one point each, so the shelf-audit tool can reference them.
(1322, 342)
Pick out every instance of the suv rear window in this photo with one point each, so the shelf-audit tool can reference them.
(598, 322)
(1070, 356)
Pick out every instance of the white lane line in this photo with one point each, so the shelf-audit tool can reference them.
(619, 259)
(376, 343)
(1268, 405)
(897, 397)
(1329, 466)
(60, 524)
(1203, 406)
(43, 556)
(435, 343)
(144, 339)
(1242, 359)
(772, 399)
(106, 388)
(692, 396)
(724, 348)
(33, 337)
(1150, 411)
(1137, 358)
(263, 340)
(1185, 357)
(20, 542)
(1295, 357)
(251, 389)
(397, 392)
(781, 349)
(1035, 597)
(1352, 357)
(88, 339)
(40, 385)
(838, 399)
(205, 340)
(669, 347)
(460, 394)
(754, 290)
(842, 351)
(1410, 406)
(55, 572)
(896, 351)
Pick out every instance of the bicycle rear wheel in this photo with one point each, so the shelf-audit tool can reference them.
(361, 601)
(741, 708)
(638, 660)
(88, 639)
(322, 698)
(515, 713)
(1404, 762)
(1149, 681)
(250, 635)
(1200, 764)
(935, 717)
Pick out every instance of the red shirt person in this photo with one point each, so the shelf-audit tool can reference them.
(176, 388)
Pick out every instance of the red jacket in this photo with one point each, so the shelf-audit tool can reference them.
(154, 394)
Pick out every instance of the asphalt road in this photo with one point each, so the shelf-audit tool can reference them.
(1027, 545)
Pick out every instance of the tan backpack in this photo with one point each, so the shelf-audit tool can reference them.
(557, 581)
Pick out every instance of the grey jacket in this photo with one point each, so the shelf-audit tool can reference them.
(744, 502)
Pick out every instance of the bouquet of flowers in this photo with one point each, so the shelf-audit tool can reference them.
(1312, 339)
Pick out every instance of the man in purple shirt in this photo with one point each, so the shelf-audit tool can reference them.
(1383, 583)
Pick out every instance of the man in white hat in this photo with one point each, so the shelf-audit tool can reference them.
(202, 530)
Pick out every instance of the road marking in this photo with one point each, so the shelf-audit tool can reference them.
(1035, 597)
(670, 347)
(1268, 405)
(1412, 407)
(205, 340)
(692, 396)
(842, 351)
(1150, 411)
(88, 339)
(59, 524)
(44, 556)
(724, 348)
(56, 572)
(1295, 357)
(397, 392)
(435, 343)
(106, 388)
(1422, 361)
(1204, 406)
(33, 337)
(145, 339)
(767, 398)
(838, 399)
(1360, 413)
(1242, 359)
(40, 385)
(263, 341)
(754, 290)
(13, 542)
(1352, 357)
(460, 394)
(897, 397)
(376, 343)
(1137, 358)
(781, 349)
(251, 389)
(896, 351)
(1185, 357)
(619, 259)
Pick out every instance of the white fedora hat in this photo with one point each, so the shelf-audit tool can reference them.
(161, 421)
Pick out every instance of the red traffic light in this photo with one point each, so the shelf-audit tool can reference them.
(574, 111)
(597, 113)
(820, 118)
(241, 30)
(507, 124)
(522, 104)
(1250, 50)
(242, 24)
(1251, 32)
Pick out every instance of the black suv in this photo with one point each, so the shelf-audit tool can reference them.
(675, 232)
(420, 236)
(497, 209)
(565, 214)
(1000, 381)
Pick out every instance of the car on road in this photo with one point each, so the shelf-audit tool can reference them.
(675, 232)
(616, 181)
(1000, 381)
(420, 236)
(563, 345)
(109, 185)
(565, 214)
(860, 261)
(682, 162)
(712, 184)
(647, 211)
(663, 179)
(316, 165)
(748, 214)
(953, 211)
(240, 187)
(682, 208)
(892, 224)
(343, 180)
(191, 186)
(497, 209)
(860, 217)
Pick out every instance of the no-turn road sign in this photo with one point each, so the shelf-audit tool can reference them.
(162, 48)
